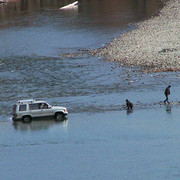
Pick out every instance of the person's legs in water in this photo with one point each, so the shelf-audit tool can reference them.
(166, 100)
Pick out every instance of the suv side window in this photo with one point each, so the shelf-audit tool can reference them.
(22, 107)
(45, 106)
(34, 106)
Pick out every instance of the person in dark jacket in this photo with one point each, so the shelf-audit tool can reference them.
(129, 105)
(167, 93)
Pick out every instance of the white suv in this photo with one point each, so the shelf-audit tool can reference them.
(25, 110)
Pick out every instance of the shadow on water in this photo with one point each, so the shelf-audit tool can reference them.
(37, 125)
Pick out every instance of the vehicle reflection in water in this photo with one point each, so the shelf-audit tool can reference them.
(36, 125)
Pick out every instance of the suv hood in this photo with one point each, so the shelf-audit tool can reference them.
(58, 107)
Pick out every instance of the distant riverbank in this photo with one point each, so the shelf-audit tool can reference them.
(154, 45)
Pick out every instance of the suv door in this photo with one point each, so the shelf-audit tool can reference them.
(46, 110)
(35, 110)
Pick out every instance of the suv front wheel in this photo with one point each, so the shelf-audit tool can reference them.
(26, 119)
(59, 116)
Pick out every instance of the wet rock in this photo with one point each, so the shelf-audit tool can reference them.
(167, 50)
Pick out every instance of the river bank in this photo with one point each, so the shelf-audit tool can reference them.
(153, 46)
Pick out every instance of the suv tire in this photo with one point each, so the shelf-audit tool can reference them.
(59, 116)
(26, 119)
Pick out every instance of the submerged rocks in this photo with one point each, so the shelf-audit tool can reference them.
(154, 45)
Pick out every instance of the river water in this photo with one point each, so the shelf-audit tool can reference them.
(34, 34)
(99, 140)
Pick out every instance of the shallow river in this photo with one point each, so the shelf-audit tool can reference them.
(33, 35)
(99, 139)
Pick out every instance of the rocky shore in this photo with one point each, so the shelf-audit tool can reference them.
(154, 45)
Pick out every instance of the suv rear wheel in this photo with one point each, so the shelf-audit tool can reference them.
(59, 116)
(26, 119)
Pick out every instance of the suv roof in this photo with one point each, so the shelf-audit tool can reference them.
(28, 101)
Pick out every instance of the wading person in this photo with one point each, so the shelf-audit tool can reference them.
(167, 93)
(129, 105)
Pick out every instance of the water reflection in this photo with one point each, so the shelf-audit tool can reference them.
(39, 125)
(168, 108)
(92, 9)
(39, 27)
(129, 111)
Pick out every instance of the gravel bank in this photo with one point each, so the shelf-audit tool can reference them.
(153, 46)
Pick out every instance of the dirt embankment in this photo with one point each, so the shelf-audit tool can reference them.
(154, 45)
